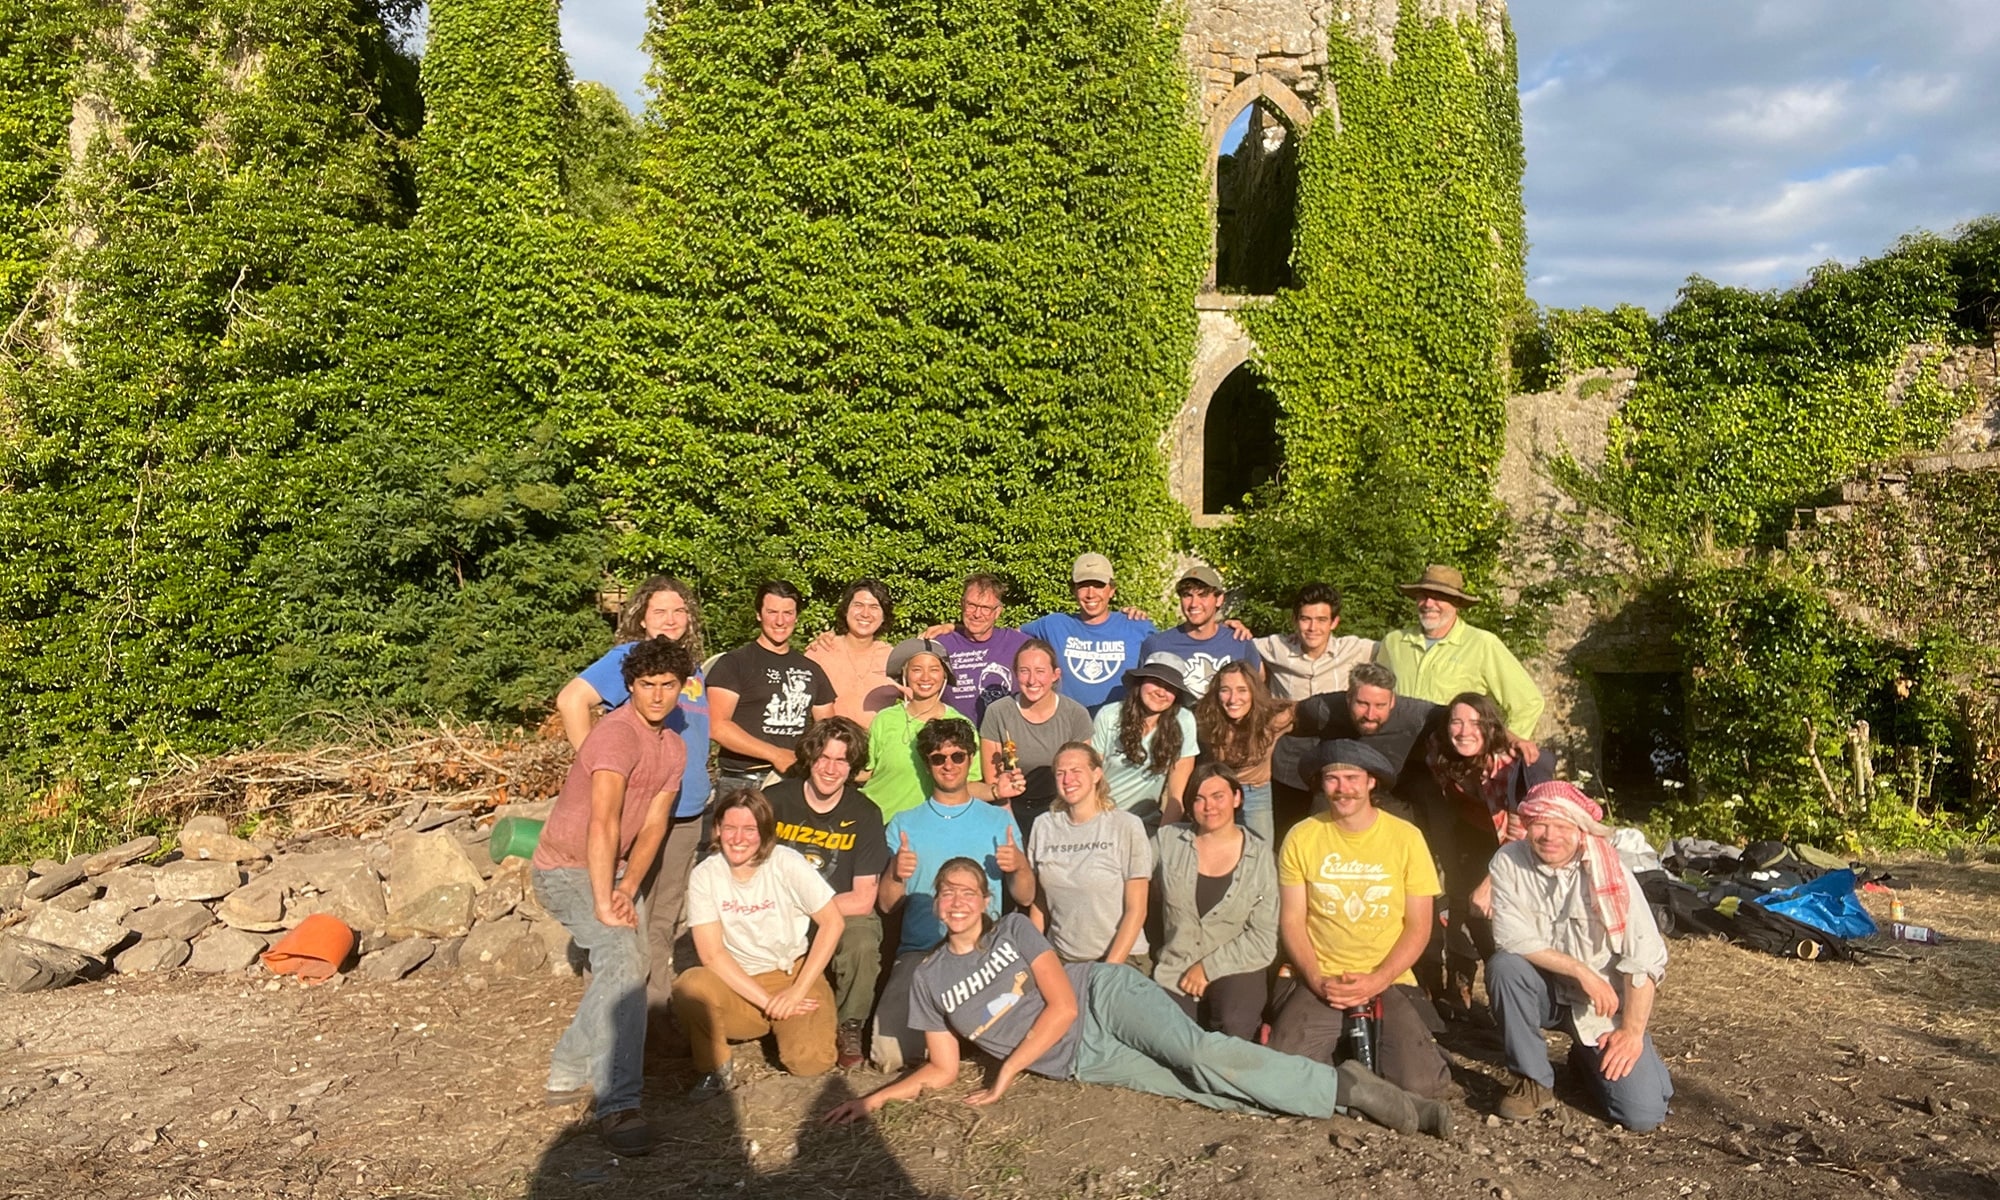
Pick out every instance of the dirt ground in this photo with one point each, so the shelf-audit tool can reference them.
(1794, 1079)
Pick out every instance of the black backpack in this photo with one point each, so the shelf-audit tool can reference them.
(1775, 933)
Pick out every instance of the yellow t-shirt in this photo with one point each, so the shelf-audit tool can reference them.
(1355, 887)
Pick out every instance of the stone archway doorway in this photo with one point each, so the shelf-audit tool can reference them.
(1241, 450)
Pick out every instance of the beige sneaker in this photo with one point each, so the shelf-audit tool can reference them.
(1524, 1100)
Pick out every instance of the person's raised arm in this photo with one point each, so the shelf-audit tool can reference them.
(577, 705)
(1013, 863)
(1058, 1014)
(600, 851)
(894, 884)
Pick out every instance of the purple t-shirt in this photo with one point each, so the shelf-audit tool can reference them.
(981, 672)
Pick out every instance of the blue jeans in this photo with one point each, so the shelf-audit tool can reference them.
(1136, 1036)
(1256, 812)
(1524, 1003)
(605, 1044)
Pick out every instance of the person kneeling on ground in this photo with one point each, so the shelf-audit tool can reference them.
(750, 905)
(1577, 948)
(1355, 894)
(839, 831)
(600, 840)
(1003, 988)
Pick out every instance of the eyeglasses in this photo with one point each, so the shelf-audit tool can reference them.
(954, 757)
(967, 892)
(974, 606)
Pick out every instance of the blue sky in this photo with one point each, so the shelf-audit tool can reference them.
(1744, 140)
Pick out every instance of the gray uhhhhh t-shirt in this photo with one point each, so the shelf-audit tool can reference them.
(1083, 870)
(989, 996)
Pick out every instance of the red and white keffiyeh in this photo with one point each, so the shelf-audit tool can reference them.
(1602, 870)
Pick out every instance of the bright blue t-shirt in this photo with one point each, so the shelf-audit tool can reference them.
(689, 719)
(940, 833)
(1204, 658)
(1094, 658)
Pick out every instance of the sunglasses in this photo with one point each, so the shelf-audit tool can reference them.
(942, 757)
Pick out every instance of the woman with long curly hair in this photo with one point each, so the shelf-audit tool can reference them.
(1483, 772)
(1238, 723)
(1148, 740)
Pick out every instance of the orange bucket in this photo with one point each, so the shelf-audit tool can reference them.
(313, 951)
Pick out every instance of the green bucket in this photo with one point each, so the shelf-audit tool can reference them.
(514, 837)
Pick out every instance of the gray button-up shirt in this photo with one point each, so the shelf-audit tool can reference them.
(1539, 907)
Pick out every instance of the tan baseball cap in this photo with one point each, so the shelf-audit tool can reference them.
(1091, 568)
(1202, 574)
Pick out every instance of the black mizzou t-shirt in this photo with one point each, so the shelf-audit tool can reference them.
(842, 845)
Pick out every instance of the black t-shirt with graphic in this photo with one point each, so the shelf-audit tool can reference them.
(842, 845)
(775, 696)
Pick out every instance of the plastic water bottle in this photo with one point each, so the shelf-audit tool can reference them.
(1922, 934)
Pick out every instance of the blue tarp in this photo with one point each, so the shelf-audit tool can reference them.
(1827, 904)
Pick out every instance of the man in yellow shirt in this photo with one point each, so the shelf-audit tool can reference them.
(1356, 889)
(1444, 655)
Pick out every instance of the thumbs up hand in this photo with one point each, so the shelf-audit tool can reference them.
(906, 860)
(1008, 856)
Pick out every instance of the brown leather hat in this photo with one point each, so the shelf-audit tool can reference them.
(1443, 580)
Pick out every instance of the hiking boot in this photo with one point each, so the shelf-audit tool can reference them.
(713, 1084)
(626, 1132)
(848, 1041)
(1524, 1100)
(1376, 1098)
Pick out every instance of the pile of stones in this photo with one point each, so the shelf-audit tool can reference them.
(424, 893)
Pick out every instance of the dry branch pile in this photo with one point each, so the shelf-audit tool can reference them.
(363, 778)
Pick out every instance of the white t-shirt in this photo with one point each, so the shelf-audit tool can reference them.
(763, 921)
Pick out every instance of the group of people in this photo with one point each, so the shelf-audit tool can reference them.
(1061, 844)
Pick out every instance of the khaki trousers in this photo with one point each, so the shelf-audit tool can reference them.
(715, 1016)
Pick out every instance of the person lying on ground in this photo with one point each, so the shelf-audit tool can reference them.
(1355, 893)
(1577, 950)
(1218, 887)
(600, 840)
(751, 905)
(839, 833)
(1003, 988)
(1086, 869)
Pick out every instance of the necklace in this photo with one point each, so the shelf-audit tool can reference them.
(958, 810)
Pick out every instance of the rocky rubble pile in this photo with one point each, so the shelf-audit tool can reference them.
(425, 893)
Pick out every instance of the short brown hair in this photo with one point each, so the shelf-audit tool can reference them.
(760, 808)
(834, 729)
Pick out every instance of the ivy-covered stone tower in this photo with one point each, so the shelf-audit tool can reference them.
(1364, 170)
